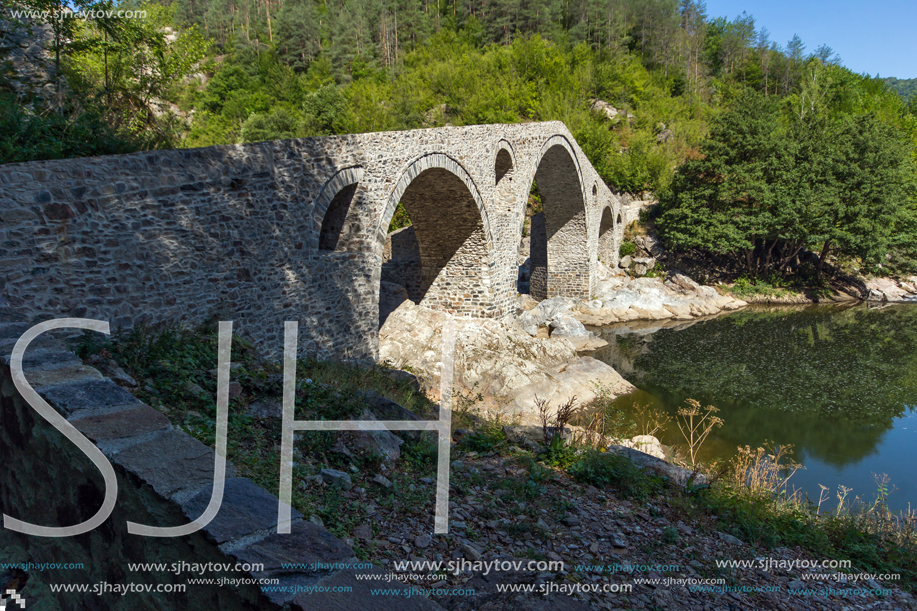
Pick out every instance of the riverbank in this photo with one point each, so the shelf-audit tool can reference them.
(610, 524)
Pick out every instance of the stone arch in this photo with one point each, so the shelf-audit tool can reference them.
(607, 237)
(444, 259)
(331, 209)
(504, 162)
(559, 260)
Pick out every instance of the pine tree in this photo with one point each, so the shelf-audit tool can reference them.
(297, 39)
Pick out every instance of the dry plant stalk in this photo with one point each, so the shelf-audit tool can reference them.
(650, 420)
(696, 425)
(562, 417)
(767, 470)
(595, 431)
(899, 528)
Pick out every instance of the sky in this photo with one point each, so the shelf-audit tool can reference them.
(878, 37)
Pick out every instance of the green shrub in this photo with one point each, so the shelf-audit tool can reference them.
(484, 440)
(51, 135)
(558, 453)
(601, 469)
(628, 248)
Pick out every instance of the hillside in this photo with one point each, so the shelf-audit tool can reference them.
(641, 85)
(906, 88)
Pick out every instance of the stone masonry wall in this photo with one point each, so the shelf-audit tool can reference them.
(235, 231)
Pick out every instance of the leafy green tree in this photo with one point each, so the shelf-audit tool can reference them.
(324, 109)
(729, 200)
(74, 132)
(279, 124)
(863, 199)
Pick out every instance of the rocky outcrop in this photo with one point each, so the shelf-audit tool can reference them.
(887, 289)
(507, 365)
(610, 112)
(658, 466)
(633, 205)
(556, 316)
(620, 298)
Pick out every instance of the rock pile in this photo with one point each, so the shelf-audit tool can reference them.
(610, 112)
(620, 298)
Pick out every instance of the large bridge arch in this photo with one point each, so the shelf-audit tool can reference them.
(560, 259)
(450, 238)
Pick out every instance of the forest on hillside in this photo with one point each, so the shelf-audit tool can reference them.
(906, 88)
(203, 72)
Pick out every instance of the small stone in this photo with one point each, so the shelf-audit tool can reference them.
(471, 552)
(336, 478)
(266, 408)
(726, 538)
(364, 532)
(457, 464)
(382, 481)
(121, 378)
(571, 521)
(423, 541)
(194, 389)
(317, 521)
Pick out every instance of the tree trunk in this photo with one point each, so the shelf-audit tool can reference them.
(821, 259)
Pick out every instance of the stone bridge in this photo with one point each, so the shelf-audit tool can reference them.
(297, 230)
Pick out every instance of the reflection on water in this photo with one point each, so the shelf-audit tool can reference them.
(839, 383)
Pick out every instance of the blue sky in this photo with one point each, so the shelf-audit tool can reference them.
(871, 37)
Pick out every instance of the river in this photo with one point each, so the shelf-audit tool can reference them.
(838, 383)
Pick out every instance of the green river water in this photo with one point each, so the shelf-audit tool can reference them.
(838, 383)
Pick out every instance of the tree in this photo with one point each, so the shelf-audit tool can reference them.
(862, 201)
(279, 124)
(298, 38)
(729, 201)
(834, 183)
(324, 109)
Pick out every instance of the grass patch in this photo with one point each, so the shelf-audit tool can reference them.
(175, 369)
(601, 469)
(745, 287)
